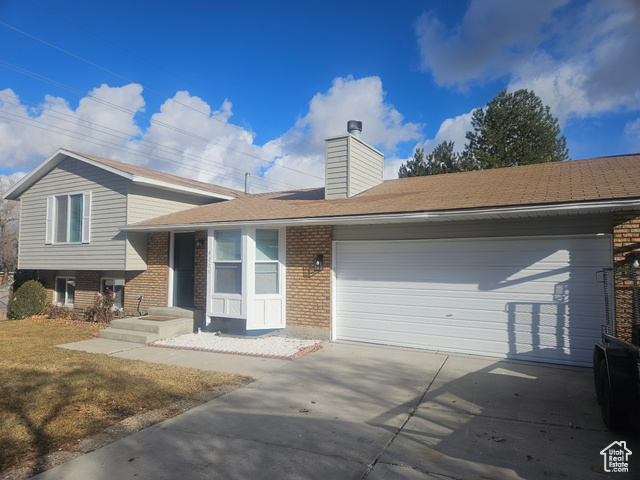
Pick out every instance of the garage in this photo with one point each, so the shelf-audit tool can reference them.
(528, 298)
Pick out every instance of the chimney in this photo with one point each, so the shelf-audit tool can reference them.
(354, 127)
(351, 166)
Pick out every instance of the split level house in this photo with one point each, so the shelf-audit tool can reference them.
(501, 262)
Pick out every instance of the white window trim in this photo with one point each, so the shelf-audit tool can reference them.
(248, 299)
(66, 295)
(51, 220)
(264, 262)
(102, 279)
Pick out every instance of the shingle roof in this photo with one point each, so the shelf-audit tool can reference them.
(575, 181)
(164, 177)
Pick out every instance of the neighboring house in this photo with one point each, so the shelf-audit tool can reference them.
(498, 262)
(72, 209)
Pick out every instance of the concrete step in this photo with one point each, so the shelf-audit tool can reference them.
(128, 336)
(172, 312)
(142, 330)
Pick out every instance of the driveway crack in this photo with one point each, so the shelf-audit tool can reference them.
(414, 409)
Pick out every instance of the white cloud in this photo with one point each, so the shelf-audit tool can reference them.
(579, 57)
(451, 130)
(30, 133)
(632, 130)
(189, 138)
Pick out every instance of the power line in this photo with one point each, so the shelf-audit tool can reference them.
(150, 119)
(95, 65)
(146, 143)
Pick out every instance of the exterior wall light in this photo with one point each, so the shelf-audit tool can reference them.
(200, 242)
(634, 259)
(317, 263)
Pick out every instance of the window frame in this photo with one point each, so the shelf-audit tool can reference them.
(275, 262)
(239, 262)
(114, 279)
(65, 303)
(51, 221)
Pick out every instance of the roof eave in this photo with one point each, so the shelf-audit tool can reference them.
(584, 208)
(41, 170)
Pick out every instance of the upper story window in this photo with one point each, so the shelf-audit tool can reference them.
(68, 218)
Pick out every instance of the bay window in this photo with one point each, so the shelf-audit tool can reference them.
(266, 269)
(228, 262)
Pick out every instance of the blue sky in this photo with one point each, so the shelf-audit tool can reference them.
(211, 90)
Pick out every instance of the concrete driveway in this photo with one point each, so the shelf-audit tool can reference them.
(353, 411)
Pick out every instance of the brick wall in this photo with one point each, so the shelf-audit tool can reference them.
(153, 283)
(87, 285)
(308, 291)
(48, 279)
(626, 239)
(200, 271)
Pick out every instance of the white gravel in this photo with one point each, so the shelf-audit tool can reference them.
(262, 346)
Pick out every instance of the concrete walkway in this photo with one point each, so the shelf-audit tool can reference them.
(352, 411)
(254, 367)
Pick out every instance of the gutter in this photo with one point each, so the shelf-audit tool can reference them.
(457, 215)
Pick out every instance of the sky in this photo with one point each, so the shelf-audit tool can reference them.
(212, 90)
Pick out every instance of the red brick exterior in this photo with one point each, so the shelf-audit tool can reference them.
(153, 282)
(48, 279)
(200, 271)
(626, 239)
(308, 291)
(87, 285)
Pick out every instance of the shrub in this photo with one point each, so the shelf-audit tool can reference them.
(29, 299)
(102, 309)
(20, 277)
(61, 312)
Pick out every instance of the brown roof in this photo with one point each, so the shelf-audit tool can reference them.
(575, 181)
(164, 177)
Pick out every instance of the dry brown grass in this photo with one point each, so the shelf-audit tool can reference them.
(51, 397)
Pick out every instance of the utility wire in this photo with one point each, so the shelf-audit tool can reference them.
(124, 136)
(150, 119)
(95, 65)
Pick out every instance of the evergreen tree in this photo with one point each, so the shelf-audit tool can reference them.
(443, 159)
(514, 129)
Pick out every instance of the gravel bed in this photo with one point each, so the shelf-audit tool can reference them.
(281, 347)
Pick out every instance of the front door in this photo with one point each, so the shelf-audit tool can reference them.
(183, 266)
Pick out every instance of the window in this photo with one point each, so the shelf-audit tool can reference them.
(65, 290)
(68, 218)
(228, 262)
(266, 262)
(115, 288)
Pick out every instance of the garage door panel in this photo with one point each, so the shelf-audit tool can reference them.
(522, 298)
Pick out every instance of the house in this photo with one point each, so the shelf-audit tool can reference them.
(72, 209)
(498, 262)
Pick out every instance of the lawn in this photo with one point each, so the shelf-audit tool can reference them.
(51, 397)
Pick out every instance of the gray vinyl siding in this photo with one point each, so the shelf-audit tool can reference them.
(336, 168)
(146, 202)
(560, 225)
(365, 167)
(106, 250)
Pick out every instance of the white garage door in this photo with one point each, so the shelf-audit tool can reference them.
(531, 299)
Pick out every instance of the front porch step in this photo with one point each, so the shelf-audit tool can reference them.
(173, 312)
(142, 330)
(128, 336)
